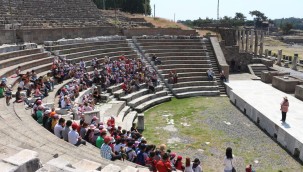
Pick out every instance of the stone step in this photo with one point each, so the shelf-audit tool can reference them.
(168, 40)
(91, 47)
(171, 43)
(139, 93)
(177, 61)
(122, 114)
(195, 88)
(197, 93)
(136, 102)
(189, 79)
(114, 88)
(188, 74)
(128, 120)
(173, 66)
(194, 83)
(13, 54)
(120, 93)
(109, 51)
(21, 59)
(180, 54)
(180, 49)
(78, 45)
(183, 70)
(144, 106)
(182, 57)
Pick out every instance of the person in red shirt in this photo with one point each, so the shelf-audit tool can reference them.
(111, 121)
(164, 164)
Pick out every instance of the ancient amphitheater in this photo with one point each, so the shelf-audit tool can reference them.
(36, 26)
(33, 32)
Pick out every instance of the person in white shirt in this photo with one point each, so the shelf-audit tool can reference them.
(228, 160)
(59, 128)
(73, 136)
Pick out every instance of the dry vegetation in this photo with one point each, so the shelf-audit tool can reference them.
(289, 50)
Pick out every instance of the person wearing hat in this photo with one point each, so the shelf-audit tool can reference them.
(74, 137)
(178, 164)
(95, 136)
(284, 108)
(106, 151)
(197, 165)
(94, 121)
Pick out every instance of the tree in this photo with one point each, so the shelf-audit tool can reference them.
(286, 28)
(259, 17)
(239, 19)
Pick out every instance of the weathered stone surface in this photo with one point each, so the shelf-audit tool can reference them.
(111, 168)
(26, 160)
(285, 84)
(299, 92)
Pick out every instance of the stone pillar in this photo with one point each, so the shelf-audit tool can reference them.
(279, 58)
(247, 41)
(256, 44)
(261, 44)
(242, 40)
(140, 124)
(251, 41)
(266, 53)
(239, 39)
(294, 62)
(236, 37)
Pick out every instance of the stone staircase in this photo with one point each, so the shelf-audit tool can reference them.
(256, 69)
(214, 64)
(188, 58)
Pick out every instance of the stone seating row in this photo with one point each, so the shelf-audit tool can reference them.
(190, 64)
(17, 53)
(74, 43)
(9, 71)
(92, 47)
(104, 52)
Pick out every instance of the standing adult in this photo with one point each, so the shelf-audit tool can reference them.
(228, 160)
(197, 165)
(284, 108)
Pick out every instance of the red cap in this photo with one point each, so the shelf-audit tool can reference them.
(107, 139)
(74, 126)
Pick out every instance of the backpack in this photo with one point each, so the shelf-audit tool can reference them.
(140, 159)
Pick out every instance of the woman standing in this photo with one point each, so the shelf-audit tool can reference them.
(284, 108)
(188, 165)
(228, 160)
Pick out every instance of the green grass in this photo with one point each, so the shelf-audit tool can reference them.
(195, 111)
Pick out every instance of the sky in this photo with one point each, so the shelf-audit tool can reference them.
(193, 9)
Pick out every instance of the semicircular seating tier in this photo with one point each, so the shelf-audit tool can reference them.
(190, 58)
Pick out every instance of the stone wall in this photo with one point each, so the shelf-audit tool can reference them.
(7, 36)
(41, 35)
(241, 59)
(157, 31)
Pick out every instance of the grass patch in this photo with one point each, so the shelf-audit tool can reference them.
(200, 113)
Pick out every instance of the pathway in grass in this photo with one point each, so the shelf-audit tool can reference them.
(203, 127)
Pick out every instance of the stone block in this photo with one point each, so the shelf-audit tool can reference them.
(140, 121)
(88, 116)
(130, 169)
(61, 111)
(26, 160)
(86, 165)
(299, 92)
(111, 168)
(266, 76)
(285, 84)
(7, 167)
